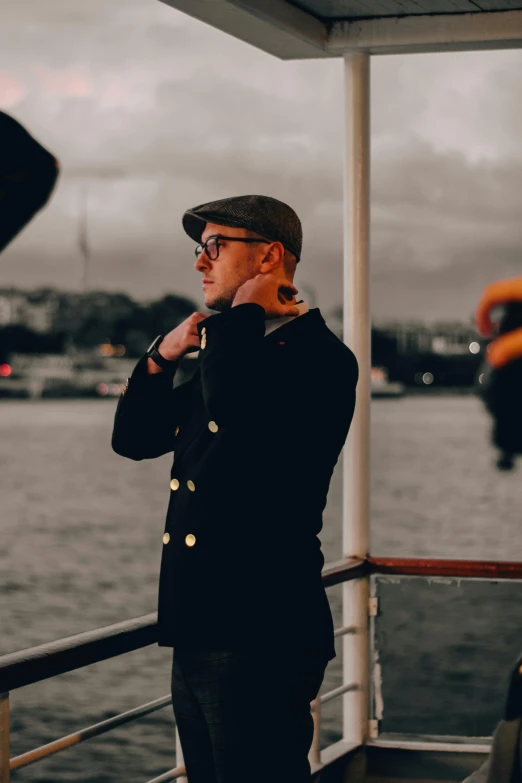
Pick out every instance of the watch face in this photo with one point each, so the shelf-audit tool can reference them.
(154, 343)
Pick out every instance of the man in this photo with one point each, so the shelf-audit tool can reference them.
(256, 434)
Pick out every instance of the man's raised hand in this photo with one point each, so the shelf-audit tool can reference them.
(180, 341)
(271, 292)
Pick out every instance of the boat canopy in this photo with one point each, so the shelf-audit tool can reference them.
(304, 29)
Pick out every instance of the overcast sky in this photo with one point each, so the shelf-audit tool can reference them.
(161, 112)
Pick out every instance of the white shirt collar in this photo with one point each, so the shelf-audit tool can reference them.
(271, 324)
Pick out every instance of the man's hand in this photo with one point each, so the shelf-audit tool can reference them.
(181, 340)
(273, 293)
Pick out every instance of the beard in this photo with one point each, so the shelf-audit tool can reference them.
(222, 302)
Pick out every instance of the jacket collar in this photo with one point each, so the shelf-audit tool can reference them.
(303, 327)
(271, 324)
(300, 327)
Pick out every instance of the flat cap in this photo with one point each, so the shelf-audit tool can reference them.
(265, 215)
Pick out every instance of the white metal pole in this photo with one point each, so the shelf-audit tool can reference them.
(357, 334)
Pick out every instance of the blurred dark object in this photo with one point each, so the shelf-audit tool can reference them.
(502, 394)
(28, 174)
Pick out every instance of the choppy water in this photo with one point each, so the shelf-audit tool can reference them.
(80, 548)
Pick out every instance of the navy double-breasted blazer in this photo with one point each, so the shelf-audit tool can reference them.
(255, 434)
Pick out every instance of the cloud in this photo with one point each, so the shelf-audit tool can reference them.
(12, 91)
(160, 112)
(71, 82)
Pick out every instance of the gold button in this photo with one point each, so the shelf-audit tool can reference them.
(203, 331)
(166, 538)
(190, 540)
(177, 430)
(213, 427)
(174, 484)
(204, 342)
(191, 486)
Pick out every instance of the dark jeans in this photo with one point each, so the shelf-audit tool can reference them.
(244, 718)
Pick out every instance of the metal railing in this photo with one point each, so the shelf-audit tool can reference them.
(39, 663)
(36, 664)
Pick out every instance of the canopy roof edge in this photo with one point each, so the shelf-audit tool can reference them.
(435, 33)
(282, 29)
(275, 26)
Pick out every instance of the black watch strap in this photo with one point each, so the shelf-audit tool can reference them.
(153, 353)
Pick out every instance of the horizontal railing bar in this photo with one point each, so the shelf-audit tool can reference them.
(172, 774)
(344, 571)
(338, 692)
(64, 655)
(74, 652)
(332, 753)
(431, 745)
(49, 660)
(345, 629)
(84, 734)
(489, 569)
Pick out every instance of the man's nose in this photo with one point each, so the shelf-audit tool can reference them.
(202, 262)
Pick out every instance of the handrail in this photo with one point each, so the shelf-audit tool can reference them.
(48, 660)
(344, 571)
(102, 727)
(44, 751)
(172, 774)
(350, 686)
(407, 566)
(35, 664)
(74, 652)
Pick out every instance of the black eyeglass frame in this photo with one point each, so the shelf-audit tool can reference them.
(203, 246)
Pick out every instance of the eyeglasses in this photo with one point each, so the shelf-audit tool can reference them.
(212, 245)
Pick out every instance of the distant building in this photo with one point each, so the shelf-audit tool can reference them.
(12, 307)
(34, 310)
(39, 316)
(444, 338)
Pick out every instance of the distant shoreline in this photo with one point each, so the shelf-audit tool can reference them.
(51, 394)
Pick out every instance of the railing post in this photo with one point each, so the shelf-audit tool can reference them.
(179, 756)
(4, 738)
(357, 334)
(314, 755)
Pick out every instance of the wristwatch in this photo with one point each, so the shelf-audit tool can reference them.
(153, 353)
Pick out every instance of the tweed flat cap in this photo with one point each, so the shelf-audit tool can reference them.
(265, 215)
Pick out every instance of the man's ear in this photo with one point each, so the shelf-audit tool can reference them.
(273, 258)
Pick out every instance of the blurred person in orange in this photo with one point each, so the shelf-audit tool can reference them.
(502, 376)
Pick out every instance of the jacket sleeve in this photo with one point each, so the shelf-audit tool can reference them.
(237, 379)
(233, 376)
(148, 413)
